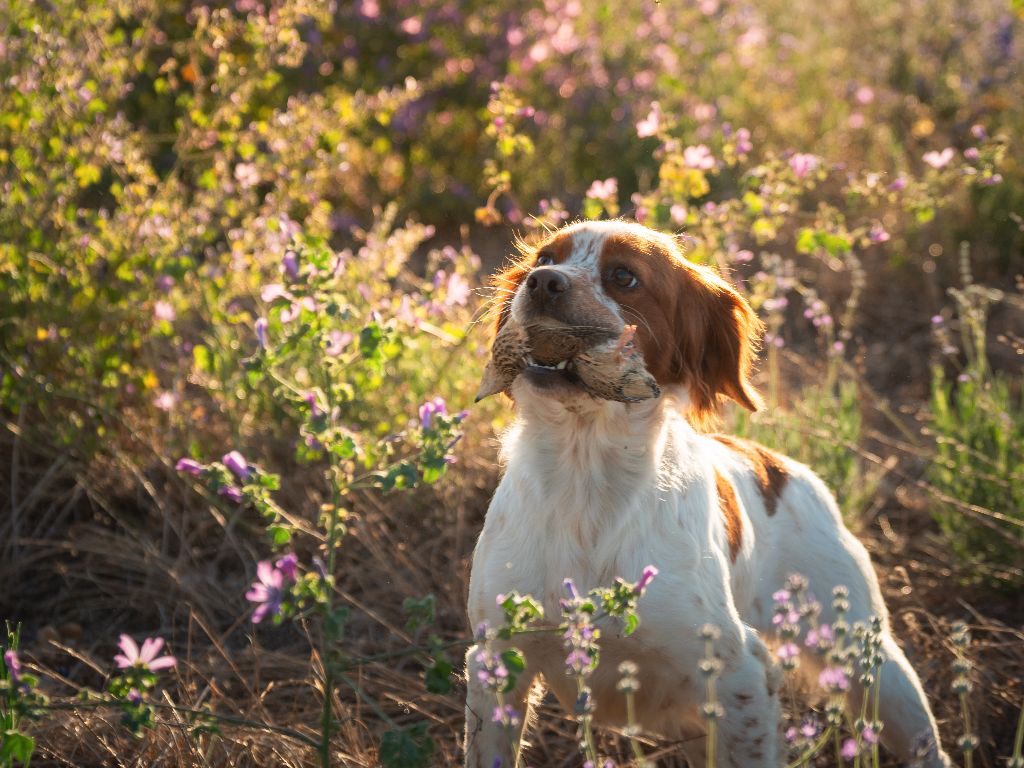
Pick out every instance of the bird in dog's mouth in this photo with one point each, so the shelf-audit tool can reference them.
(555, 355)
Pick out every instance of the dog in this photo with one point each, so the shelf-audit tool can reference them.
(594, 489)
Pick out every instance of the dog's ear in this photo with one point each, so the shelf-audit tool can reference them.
(717, 337)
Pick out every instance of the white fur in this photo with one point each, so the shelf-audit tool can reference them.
(596, 489)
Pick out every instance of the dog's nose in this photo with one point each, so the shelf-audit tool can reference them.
(546, 284)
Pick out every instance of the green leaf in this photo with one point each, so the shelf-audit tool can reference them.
(17, 746)
(279, 535)
(514, 660)
(438, 677)
(408, 748)
(202, 358)
(806, 241)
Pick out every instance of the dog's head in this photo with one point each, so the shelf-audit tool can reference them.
(595, 278)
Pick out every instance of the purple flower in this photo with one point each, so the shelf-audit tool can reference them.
(939, 159)
(791, 735)
(898, 184)
(288, 565)
(937, 320)
(290, 263)
(809, 729)
(492, 673)
(268, 589)
(135, 697)
(978, 131)
(833, 680)
(314, 408)
(787, 651)
(877, 234)
(819, 636)
(781, 596)
(803, 165)
(991, 181)
(971, 153)
(261, 332)
(577, 661)
(190, 467)
(236, 462)
(849, 750)
(231, 493)
(146, 657)
(869, 735)
(430, 409)
(507, 716)
(13, 665)
(646, 577)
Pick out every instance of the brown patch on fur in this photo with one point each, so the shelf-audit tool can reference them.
(731, 512)
(769, 469)
(692, 326)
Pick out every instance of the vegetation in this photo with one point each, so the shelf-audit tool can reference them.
(242, 251)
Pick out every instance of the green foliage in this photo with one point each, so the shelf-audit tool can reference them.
(409, 747)
(977, 422)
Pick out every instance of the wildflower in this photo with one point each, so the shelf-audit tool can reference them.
(146, 657)
(782, 596)
(699, 157)
(134, 696)
(492, 673)
(678, 214)
(971, 153)
(13, 665)
(246, 175)
(430, 409)
(743, 145)
(898, 184)
(288, 565)
(869, 735)
(820, 636)
(337, 341)
(603, 190)
(849, 750)
(978, 131)
(292, 312)
(164, 310)
(650, 125)
(864, 95)
(646, 577)
(507, 716)
(791, 735)
(833, 680)
(809, 729)
(803, 164)
(269, 588)
(190, 467)
(165, 401)
(290, 264)
(743, 256)
(231, 493)
(458, 290)
(877, 234)
(274, 291)
(937, 320)
(787, 651)
(577, 661)
(939, 160)
(261, 332)
(236, 462)
(991, 181)
(165, 283)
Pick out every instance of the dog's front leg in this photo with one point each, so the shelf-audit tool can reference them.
(488, 740)
(748, 726)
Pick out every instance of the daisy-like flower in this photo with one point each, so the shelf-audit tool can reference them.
(269, 588)
(146, 657)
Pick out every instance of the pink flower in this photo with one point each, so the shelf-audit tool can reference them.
(190, 467)
(603, 190)
(412, 26)
(646, 577)
(337, 341)
(132, 656)
(163, 310)
(458, 290)
(833, 680)
(268, 589)
(877, 234)
(288, 566)
(743, 256)
(939, 159)
(274, 291)
(236, 462)
(165, 401)
(246, 175)
(678, 213)
(787, 651)
(231, 493)
(431, 408)
(650, 125)
(743, 144)
(699, 157)
(13, 665)
(822, 634)
(849, 750)
(803, 164)
(864, 95)
(972, 154)
(869, 735)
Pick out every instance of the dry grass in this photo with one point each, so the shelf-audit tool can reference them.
(124, 544)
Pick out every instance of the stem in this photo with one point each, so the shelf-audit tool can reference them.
(638, 753)
(968, 750)
(813, 749)
(588, 734)
(874, 715)
(329, 633)
(838, 739)
(1018, 740)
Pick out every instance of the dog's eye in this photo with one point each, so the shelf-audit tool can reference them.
(623, 278)
(544, 259)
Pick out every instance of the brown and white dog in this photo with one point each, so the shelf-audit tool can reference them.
(595, 489)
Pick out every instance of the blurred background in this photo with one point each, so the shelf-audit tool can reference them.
(188, 189)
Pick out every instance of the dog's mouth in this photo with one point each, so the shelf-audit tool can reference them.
(551, 375)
